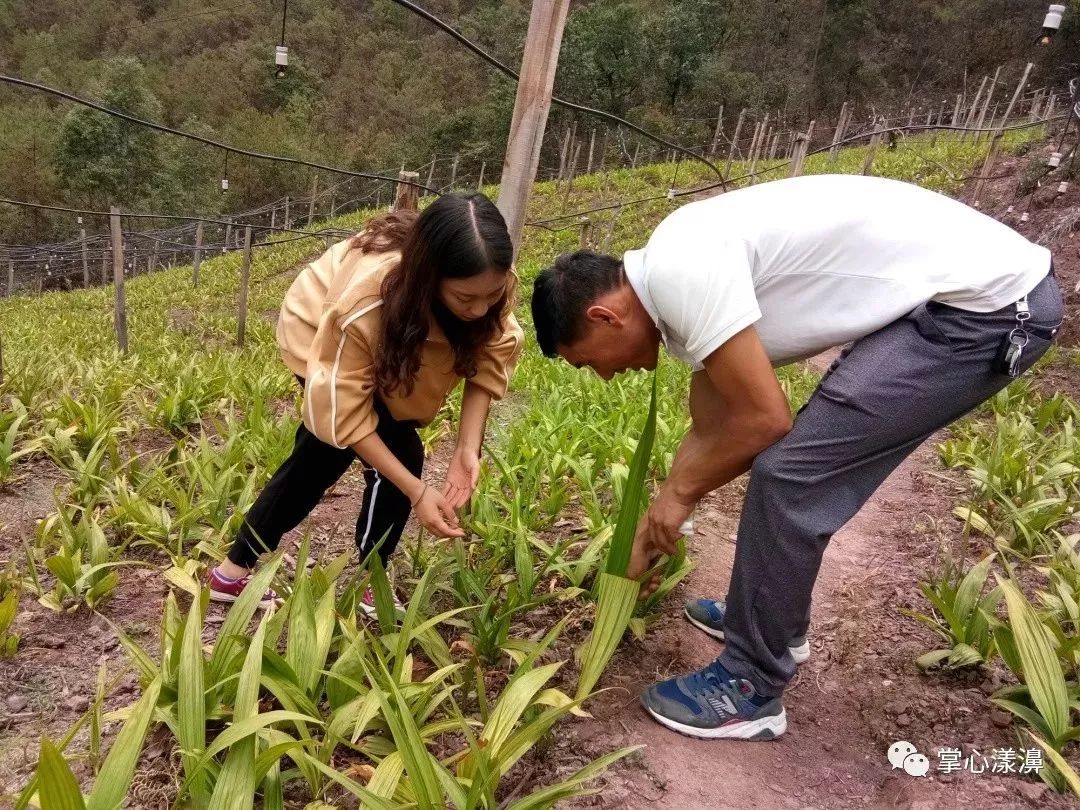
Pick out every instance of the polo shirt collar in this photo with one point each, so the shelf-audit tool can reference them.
(634, 265)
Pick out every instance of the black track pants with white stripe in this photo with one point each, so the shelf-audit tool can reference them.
(312, 468)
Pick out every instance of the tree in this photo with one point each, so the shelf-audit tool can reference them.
(603, 57)
(107, 159)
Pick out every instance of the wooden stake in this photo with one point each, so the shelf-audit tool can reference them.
(999, 134)
(734, 142)
(956, 109)
(717, 132)
(85, 259)
(838, 133)
(286, 225)
(228, 231)
(453, 173)
(245, 273)
(592, 147)
(562, 154)
(120, 311)
(868, 164)
(407, 197)
(531, 106)
(986, 103)
(311, 202)
(480, 182)
(634, 159)
(197, 260)
(151, 263)
(273, 218)
(586, 228)
(973, 110)
(431, 171)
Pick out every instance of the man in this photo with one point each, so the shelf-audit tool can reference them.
(944, 305)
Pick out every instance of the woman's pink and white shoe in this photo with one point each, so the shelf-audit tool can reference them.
(228, 589)
(367, 602)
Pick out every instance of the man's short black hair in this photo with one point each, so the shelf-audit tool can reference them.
(563, 292)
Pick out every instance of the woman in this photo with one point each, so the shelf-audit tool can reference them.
(378, 331)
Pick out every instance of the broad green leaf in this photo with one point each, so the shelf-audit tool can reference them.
(116, 773)
(1041, 670)
(191, 706)
(235, 787)
(57, 789)
(614, 608)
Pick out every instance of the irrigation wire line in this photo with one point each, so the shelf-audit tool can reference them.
(851, 138)
(491, 60)
(42, 88)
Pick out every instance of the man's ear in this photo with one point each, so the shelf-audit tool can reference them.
(598, 313)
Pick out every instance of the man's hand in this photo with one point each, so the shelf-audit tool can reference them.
(657, 533)
(461, 477)
(660, 524)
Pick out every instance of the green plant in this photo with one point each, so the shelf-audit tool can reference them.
(961, 615)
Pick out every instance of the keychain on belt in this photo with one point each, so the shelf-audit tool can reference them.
(1012, 347)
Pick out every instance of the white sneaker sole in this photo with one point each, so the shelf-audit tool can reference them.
(228, 598)
(801, 653)
(765, 728)
(371, 612)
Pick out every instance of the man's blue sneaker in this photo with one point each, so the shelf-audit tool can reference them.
(713, 704)
(708, 615)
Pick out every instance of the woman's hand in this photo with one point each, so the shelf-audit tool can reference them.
(461, 477)
(436, 515)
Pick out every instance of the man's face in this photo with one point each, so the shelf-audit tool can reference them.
(614, 339)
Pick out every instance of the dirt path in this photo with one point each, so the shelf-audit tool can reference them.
(859, 692)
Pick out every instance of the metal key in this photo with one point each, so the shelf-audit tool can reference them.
(1017, 342)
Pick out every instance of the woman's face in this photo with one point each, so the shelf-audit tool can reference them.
(470, 299)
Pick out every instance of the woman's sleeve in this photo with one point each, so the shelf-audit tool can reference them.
(340, 386)
(498, 359)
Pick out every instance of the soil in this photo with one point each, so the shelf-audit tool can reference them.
(859, 692)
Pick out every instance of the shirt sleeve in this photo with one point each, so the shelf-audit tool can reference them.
(703, 291)
(340, 385)
(497, 361)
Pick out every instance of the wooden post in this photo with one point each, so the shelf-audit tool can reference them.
(430, 173)
(1036, 102)
(986, 104)
(838, 133)
(408, 195)
(999, 134)
(311, 202)
(245, 272)
(480, 182)
(734, 142)
(775, 146)
(541, 57)
(228, 231)
(634, 159)
(85, 259)
(586, 227)
(969, 119)
(717, 132)
(592, 147)
(453, 172)
(273, 218)
(197, 260)
(868, 164)
(956, 109)
(756, 148)
(562, 154)
(151, 263)
(285, 225)
(120, 312)
(1048, 109)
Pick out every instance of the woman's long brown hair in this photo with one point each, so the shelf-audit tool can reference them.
(457, 236)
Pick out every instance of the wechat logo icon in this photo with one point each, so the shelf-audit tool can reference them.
(904, 755)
